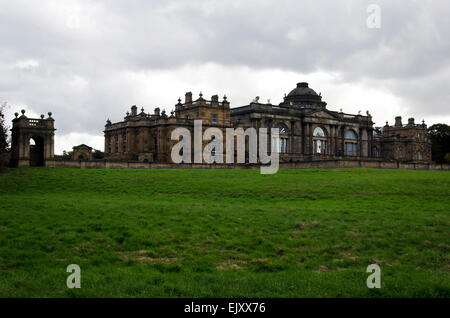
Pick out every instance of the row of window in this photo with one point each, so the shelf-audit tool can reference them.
(319, 132)
(116, 143)
(320, 144)
(400, 154)
(321, 147)
(213, 119)
(281, 144)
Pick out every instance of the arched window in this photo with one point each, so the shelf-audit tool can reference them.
(282, 143)
(400, 153)
(319, 132)
(350, 143)
(350, 134)
(320, 142)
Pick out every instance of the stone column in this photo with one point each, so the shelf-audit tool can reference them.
(366, 148)
(46, 145)
(360, 146)
(120, 133)
(331, 150)
(21, 146)
(106, 142)
(310, 138)
(303, 137)
(291, 142)
(26, 147)
(52, 146)
(307, 127)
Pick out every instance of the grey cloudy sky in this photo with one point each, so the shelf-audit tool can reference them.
(87, 61)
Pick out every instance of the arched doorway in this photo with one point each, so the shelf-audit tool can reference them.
(36, 151)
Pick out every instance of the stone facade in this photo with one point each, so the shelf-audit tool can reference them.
(32, 140)
(147, 137)
(405, 143)
(82, 152)
(308, 130)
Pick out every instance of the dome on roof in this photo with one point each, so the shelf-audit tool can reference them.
(302, 89)
(304, 96)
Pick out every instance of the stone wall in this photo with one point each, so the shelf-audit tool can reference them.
(104, 164)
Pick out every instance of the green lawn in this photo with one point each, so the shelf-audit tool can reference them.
(224, 233)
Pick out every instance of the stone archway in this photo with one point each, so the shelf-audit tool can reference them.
(36, 151)
(32, 140)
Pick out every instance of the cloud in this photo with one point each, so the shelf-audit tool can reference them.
(26, 64)
(75, 139)
(88, 61)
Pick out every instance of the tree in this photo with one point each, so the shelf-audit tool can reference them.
(440, 142)
(4, 144)
(98, 154)
(67, 155)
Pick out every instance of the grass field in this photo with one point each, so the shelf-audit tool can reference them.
(224, 233)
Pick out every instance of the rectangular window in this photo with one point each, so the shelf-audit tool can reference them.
(284, 145)
(280, 145)
(214, 119)
(350, 149)
(124, 142)
(320, 147)
(116, 142)
(109, 144)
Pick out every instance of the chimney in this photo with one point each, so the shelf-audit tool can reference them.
(398, 121)
(188, 98)
(133, 110)
(157, 111)
(215, 100)
(411, 121)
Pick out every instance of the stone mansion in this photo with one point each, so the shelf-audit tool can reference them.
(308, 130)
